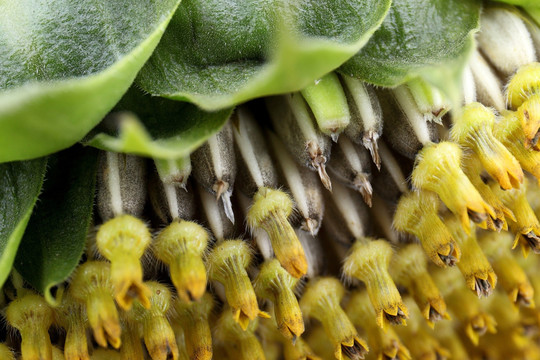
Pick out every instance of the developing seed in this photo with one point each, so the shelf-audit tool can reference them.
(295, 126)
(328, 102)
(366, 125)
(174, 172)
(214, 167)
(488, 86)
(221, 226)
(171, 202)
(505, 40)
(304, 188)
(350, 164)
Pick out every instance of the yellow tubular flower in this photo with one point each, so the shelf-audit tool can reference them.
(419, 338)
(523, 95)
(300, 350)
(409, 269)
(270, 211)
(472, 167)
(319, 342)
(157, 331)
(32, 316)
(476, 269)
(123, 240)
(277, 285)
(526, 227)
(511, 276)
(181, 246)
(107, 354)
(417, 214)
(71, 315)
(510, 133)
(384, 345)
(239, 343)
(437, 168)
(464, 305)
(193, 318)
(132, 347)
(447, 334)
(321, 301)
(91, 286)
(227, 264)
(508, 322)
(368, 261)
(473, 129)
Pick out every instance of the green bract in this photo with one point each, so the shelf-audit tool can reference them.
(220, 53)
(428, 39)
(167, 129)
(20, 186)
(56, 234)
(65, 63)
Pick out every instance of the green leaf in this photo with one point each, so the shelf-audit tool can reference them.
(65, 63)
(526, 3)
(431, 39)
(20, 184)
(55, 238)
(167, 129)
(218, 53)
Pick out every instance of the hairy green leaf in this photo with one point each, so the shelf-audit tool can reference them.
(167, 129)
(65, 63)
(217, 53)
(55, 238)
(20, 184)
(429, 39)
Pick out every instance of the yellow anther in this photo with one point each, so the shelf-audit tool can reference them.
(227, 264)
(239, 343)
(384, 345)
(473, 129)
(437, 168)
(523, 95)
(72, 317)
(526, 225)
(464, 305)
(277, 285)
(511, 276)
(123, 240)
(476, 269)
(92, 287)
(368, 261)
(157, 332)
(193, 318)
(472, 167)
(417, 213)
(32, 316)
(321, 301)
(270, 211)
(410, 270)
(511, 135)
(6, 353)
(181, 246)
